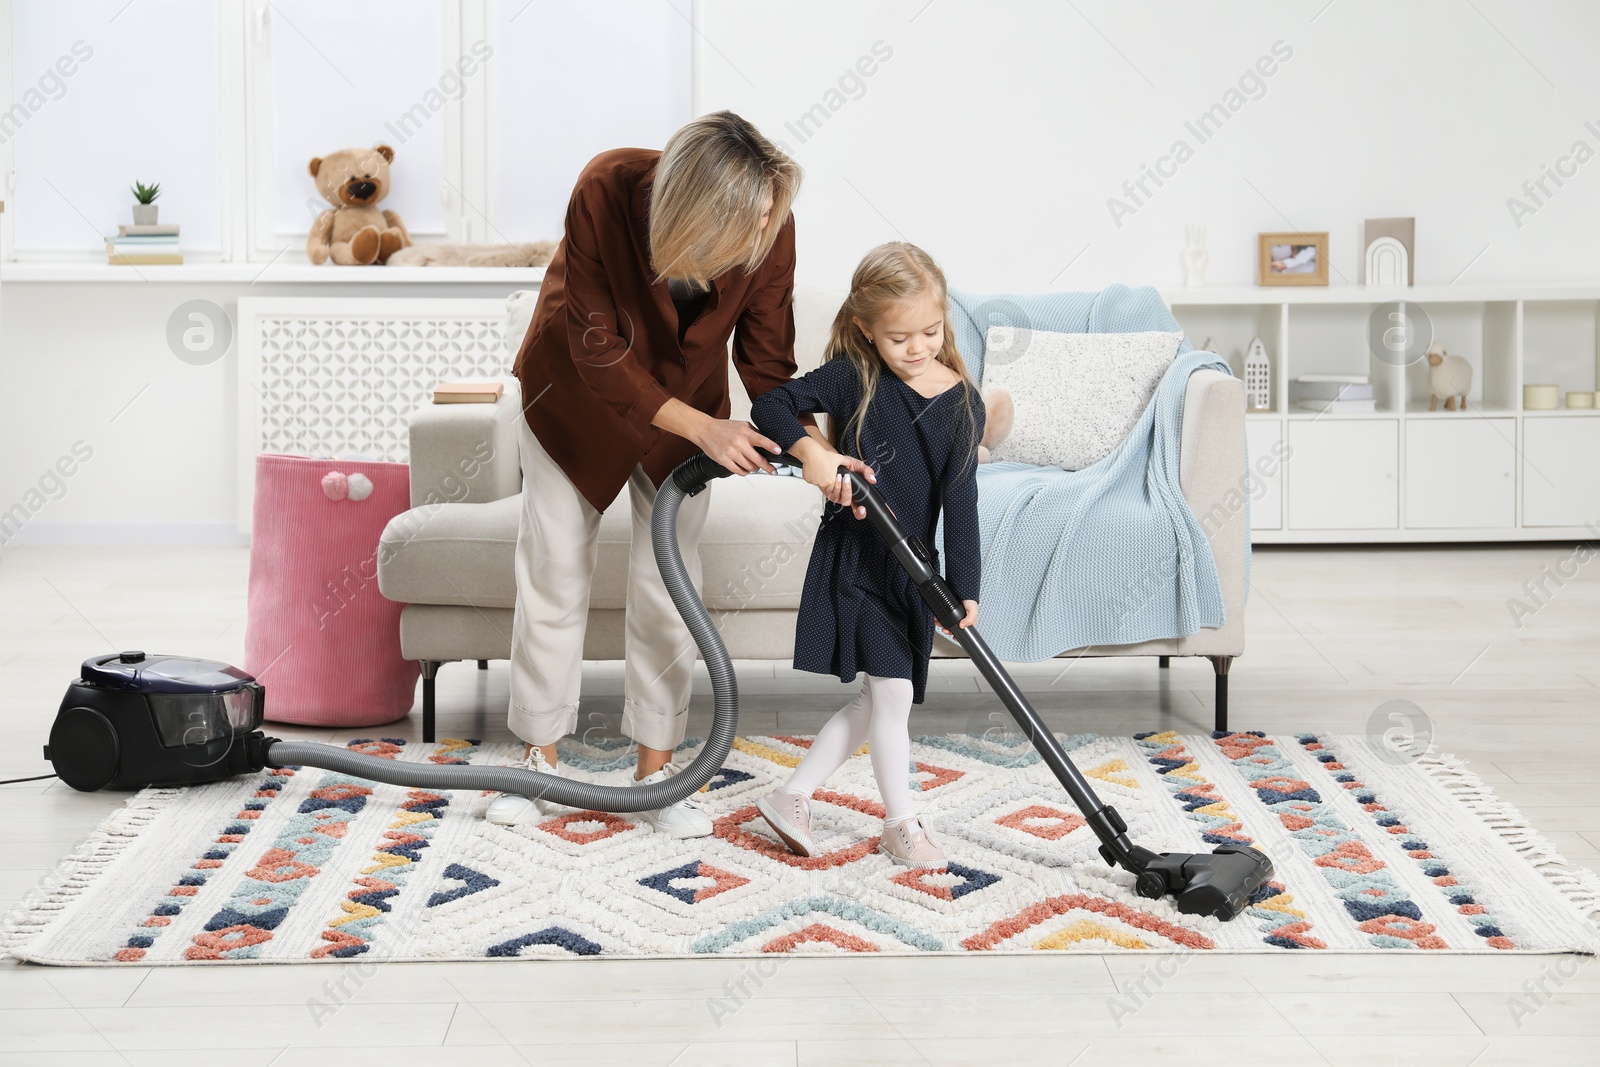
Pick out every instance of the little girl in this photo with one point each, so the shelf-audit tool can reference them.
(898, 397)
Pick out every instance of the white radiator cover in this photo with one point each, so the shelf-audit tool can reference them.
(332, 376)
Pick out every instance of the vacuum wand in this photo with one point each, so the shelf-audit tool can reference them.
(1220, 883)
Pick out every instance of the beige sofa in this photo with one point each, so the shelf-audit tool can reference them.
(449, 559)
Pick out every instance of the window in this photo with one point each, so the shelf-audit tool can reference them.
(339, 83)
(104, 93)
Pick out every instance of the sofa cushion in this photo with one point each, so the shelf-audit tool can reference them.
(1076, 394)
(1114, 309)
(455, 553)
(753, 552)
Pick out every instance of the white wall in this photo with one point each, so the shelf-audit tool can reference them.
(624, 81)
(994, 134)
(89, 361)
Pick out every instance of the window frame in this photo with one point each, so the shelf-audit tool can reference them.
(253, 77)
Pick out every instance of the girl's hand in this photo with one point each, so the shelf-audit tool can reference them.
(969, 619)
(821, 467)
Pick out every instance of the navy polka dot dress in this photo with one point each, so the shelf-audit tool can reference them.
(859, 610)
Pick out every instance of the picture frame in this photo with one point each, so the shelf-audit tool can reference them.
(1301, 259)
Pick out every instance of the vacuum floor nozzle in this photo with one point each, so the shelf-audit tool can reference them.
(1219, 884)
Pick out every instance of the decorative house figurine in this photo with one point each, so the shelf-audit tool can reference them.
(1448, 376)
(1257, 377)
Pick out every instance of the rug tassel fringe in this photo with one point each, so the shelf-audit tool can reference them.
(1578, 884)
(76, 873)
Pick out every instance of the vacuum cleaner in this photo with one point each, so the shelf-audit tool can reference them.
(135, 720)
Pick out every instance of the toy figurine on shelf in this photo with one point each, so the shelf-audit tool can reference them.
(1449, 377)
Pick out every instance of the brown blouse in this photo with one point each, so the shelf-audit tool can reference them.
(602, 354)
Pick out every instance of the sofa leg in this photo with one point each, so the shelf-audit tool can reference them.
(430, 667)
(1163, 662)
(1221, 664)
(483, 664)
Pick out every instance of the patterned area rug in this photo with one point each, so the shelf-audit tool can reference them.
(305, 864)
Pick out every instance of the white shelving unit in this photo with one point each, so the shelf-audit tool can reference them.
(1403, 473)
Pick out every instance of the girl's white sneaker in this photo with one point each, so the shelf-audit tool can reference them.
(789, 815)
(906, 841)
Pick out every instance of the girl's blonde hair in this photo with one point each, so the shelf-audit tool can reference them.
(892, 273)
(706, 201)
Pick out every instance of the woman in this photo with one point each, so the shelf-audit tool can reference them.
(624, 375)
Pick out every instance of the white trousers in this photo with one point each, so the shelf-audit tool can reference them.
(557, 545)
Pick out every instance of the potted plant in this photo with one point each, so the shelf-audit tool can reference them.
(144, 212)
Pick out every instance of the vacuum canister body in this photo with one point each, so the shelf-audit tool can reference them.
(132, 720)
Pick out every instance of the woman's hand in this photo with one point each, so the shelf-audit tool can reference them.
(732, 445)
(969, 619)
(735, 445)
(821, 467)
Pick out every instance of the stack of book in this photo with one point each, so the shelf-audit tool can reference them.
(467, 392)
(141, 245)
(1332, 392)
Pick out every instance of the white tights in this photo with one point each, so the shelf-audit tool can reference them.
(881, 715)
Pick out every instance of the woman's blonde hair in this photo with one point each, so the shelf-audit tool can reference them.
(892, 273)
(706, 201)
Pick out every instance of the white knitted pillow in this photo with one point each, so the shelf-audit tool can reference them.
(1076, 394)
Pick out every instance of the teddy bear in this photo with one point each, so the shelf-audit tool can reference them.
(355, 232)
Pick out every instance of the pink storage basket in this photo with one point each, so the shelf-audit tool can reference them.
(320, 637)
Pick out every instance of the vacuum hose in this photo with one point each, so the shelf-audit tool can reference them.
(689, 478)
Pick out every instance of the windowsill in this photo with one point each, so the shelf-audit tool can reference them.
(266, 274)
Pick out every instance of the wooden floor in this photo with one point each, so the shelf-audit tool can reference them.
(1333, 635)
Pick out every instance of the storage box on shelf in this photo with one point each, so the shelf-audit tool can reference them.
(1402, 472)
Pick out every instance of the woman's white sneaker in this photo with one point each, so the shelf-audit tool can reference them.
(509, 808)
(789, 815)
(680, 820)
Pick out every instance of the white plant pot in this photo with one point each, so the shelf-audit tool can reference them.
(145, 214)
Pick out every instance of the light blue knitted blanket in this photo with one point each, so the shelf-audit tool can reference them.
(1109, 555)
